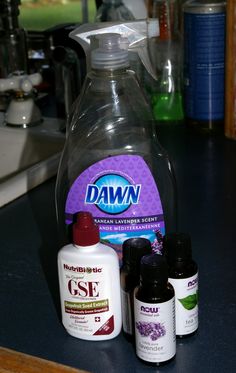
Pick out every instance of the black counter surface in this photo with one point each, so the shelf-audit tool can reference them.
(30, 319)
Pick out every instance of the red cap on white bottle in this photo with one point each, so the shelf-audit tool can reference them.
(85, 231)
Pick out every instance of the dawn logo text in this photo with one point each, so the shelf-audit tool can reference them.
(112, 193)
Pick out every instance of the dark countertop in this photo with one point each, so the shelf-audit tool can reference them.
(206, 177)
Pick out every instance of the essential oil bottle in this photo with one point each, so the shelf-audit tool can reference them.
(133, 250)
(154, 310)
(183, 275)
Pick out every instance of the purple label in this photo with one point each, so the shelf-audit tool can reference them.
(123, 198)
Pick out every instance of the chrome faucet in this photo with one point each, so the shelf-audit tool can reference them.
(13, 50)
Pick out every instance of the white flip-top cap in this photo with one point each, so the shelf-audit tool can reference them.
(111, 53)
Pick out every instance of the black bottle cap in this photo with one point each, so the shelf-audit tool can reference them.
(134, 249)
(177, 247)
(154, 268)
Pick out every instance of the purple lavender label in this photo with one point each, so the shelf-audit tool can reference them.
(123, 198)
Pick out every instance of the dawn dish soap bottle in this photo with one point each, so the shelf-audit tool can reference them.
(112, 164)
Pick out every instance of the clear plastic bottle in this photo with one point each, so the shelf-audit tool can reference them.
(89, 284)
(116, 10)
(113, 10)
(113, 164)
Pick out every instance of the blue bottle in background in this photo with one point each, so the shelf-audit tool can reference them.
(204, 63)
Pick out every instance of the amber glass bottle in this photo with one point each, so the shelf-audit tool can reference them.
(133, 250)
(183, 275)
(154, 310)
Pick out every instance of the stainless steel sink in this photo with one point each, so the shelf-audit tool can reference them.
(28, 156)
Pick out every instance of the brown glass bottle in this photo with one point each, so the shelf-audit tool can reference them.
(183, 275)
(154, 310)
(133, 250)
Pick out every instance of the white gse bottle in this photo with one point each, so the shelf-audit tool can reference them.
(89, 282)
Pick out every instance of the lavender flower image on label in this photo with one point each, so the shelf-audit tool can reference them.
(155, 330)
(151, 329)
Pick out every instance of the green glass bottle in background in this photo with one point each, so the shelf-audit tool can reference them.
(165, 94)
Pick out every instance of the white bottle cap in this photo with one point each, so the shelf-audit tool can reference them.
(110, 54)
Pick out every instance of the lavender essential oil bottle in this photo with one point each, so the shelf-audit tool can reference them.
(154, 310)
(183, 275)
